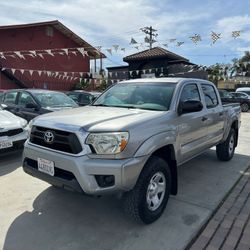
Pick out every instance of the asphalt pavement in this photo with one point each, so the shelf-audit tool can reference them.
(34, 215)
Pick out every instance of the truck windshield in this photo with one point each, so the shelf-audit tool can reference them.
(141, 95)
(54, 99)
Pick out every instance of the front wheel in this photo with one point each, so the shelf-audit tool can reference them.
(147, 201)
(225, 150)
(244, 107)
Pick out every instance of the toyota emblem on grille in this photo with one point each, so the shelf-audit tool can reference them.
(49, 137)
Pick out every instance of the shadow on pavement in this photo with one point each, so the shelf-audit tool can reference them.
(65, 220)
(10, 162)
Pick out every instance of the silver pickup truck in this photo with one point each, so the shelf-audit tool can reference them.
(131, 140)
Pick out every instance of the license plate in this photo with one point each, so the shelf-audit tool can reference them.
(46, 166)
(6, 144)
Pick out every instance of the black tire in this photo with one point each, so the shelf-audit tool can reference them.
(225, 150)
(135, 201)
(244, 107)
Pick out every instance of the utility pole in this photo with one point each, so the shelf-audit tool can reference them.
(150, 35)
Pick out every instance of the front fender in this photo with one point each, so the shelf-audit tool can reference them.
(149, 146)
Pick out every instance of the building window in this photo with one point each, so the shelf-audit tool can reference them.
(49, 31)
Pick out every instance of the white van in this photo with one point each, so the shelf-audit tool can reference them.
(244, 90)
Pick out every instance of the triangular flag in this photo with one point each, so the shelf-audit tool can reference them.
(66, 51)
(22, 71)
(49, 52)
(110, 74)
(2, 55)
(18, 53)
(144, 71)
(137, 72)
(31, 72)
(81, 74)
(56, 74)
(133, 41)
(73, 52)
(33, 52)
(41, 55)
(110, 51)
(39, 72)
(81, 50)
(116, 47)
(13, 71)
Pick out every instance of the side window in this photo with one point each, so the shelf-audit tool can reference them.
(210, 96)
(10, 98)
(190, 92)
(24, 99)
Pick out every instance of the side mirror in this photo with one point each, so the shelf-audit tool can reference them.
(31, 106)
(189, 106)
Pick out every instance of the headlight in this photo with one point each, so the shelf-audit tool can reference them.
(23, 123)
(108, 143)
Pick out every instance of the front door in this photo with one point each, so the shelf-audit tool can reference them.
(192, 127)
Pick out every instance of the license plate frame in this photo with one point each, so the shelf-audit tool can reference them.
(6, 144)
(46, 166)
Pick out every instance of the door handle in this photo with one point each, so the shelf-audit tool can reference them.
(204, 118)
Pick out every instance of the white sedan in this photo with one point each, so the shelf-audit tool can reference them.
(13, 132)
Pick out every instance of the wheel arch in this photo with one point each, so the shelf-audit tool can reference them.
(167, 153)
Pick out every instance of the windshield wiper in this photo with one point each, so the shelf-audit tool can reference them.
(100, 105)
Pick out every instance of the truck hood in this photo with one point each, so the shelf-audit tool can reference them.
(92, 118)
(8, 120)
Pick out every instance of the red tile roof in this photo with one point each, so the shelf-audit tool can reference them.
(156, 52)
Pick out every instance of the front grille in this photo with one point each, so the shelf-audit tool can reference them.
(63, 141)
(11, 132)
(61, 173)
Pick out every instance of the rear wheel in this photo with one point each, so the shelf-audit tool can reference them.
(225, 150)
(147, 201)
(244, 107)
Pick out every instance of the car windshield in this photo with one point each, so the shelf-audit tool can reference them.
(53, 99)
(141, 95)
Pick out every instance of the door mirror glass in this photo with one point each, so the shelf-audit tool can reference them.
(189, 106)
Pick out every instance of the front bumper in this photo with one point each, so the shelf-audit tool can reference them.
(18, 142)
(79, 172)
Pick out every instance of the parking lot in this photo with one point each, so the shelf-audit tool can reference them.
(34, 215)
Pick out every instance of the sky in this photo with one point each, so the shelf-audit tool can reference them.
(115, 22)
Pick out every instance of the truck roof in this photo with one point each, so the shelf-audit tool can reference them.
(164, 79)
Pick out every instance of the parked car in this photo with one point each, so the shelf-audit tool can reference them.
(244, 90)
(81, 97)
(131, 141)
(227, 97)
(29, 103)
(13, 132)
(240, 95)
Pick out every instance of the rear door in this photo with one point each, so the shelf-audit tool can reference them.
(214, 114)
(192, 127)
